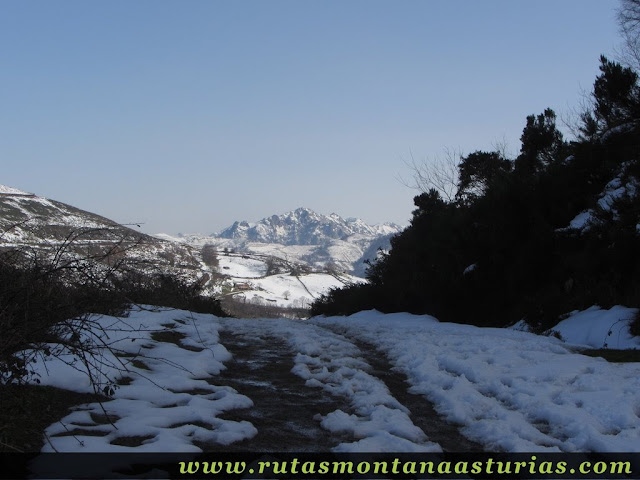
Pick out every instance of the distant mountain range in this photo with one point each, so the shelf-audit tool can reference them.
(304, 227)
(304, 236)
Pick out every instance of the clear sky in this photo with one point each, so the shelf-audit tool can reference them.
(188, 115)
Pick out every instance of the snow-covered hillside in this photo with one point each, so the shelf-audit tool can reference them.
(6, 190)
(28, 221)
(25, 217)
(262, 280)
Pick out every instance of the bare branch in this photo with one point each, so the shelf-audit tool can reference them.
(440, 173)
(629, 22)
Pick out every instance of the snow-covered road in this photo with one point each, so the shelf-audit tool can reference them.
(369, 382)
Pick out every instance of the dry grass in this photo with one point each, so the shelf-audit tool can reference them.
(168, 336)
(616, 356)
(140, 364)
(27, 410)
(133, 441)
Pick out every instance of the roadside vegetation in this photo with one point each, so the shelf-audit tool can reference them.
(48, 298)
(494, 239)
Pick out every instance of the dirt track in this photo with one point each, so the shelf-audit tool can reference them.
(286, 411)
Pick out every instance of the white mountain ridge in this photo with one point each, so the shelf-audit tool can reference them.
(304, 236)
(303, 226)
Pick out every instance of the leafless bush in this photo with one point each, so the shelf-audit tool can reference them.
(440, 173)
(629, 22)
(47, 294)
(210, 256)
(51, 295)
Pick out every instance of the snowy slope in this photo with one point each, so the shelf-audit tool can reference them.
(6, 190)
(52, 228)
(26, 217)
(598, 328)
(242, 268)
(247, 276)
(341, 255)
(156, 399)
(286, 290)
(510, 390)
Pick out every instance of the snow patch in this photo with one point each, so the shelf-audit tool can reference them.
(509, 390)
(469, 269)
(166, 399)
(613, 192)
(598, 328)
(4, 189)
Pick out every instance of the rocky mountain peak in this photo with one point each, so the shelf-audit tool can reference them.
(301, 226)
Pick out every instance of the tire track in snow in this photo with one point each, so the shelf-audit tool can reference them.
(421, 409)
(362, 413)
(286, 411)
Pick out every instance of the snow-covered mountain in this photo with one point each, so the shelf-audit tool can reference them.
(37, 224)
(304, 227)
(324, 242)
(28, 218)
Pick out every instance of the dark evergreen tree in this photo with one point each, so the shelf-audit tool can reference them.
(541, 141)
(478, 171)
(616, 100)
(513, 226)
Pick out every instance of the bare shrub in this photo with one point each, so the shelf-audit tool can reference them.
(440, 173)
(210, 256)
(50, 295)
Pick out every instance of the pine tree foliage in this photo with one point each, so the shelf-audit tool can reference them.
(542, 143)
(478, 171)
(616, 98)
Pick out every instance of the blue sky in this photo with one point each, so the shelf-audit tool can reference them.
(188, 115)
